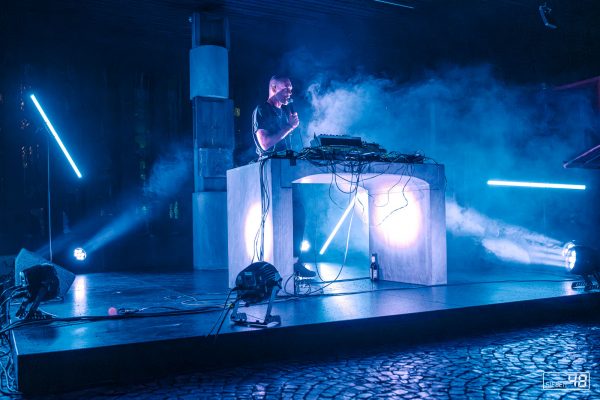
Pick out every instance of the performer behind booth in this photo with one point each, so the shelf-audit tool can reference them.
(272, 123)
(275, 119)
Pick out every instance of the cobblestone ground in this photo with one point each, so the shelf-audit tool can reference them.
(505, 365)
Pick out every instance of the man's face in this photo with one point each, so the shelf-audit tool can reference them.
(283, 91)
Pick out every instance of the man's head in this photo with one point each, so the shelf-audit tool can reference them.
(280, 89)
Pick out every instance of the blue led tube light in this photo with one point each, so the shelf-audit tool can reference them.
(394, 4)
(53, 131)
(337, 226)
(536, 185)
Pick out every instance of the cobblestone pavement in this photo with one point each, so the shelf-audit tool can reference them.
(506, 365)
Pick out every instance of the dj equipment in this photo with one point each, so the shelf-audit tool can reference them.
(343, 147)
(346, 148)
(336, 140)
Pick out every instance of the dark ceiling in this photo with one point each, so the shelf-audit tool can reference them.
(507, 33)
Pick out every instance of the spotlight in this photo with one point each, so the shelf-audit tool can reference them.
(546, 15)
(304, 246)
(583, 261)
(568, 246)
(79, 254)
(257, 282)
(39, 283)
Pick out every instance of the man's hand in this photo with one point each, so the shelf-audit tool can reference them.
(293, 120)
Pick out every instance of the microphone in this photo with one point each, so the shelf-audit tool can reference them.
(290, 106)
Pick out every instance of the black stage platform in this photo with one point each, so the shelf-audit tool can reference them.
(65, 356)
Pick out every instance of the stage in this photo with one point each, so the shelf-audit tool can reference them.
(64, 356)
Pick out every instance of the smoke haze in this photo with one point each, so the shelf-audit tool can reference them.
(167, 176)
(480, 128)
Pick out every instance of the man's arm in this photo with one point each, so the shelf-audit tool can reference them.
(267, 139)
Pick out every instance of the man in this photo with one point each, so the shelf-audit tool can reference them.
(272, 122)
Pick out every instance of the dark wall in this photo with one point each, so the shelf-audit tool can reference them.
(116, 85)
(117, 107)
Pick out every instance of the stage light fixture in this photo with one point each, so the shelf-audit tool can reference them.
(55, 134)
(79, 254)
(39, 283)
(583, 261)
(541, 185)
(399, 217)
(256, 283)
(568, 246)
(304, 246)
(570, 260)
(337, 226)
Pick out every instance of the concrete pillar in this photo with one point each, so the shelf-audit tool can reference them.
(213, 138)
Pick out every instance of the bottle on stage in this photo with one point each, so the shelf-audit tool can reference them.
(374, 269)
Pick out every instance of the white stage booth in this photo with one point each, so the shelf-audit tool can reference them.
(406, 206)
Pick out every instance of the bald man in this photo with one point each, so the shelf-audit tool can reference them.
(273, 120)
(272, 123)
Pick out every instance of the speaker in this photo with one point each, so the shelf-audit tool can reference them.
(26, 259)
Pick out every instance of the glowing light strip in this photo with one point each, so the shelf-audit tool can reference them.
(337, 227)
(60, 143)
(394, 4)
(536, 185)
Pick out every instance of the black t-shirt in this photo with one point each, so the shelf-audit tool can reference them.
(272, 119)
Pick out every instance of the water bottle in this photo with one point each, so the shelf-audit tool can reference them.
(374, 269)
